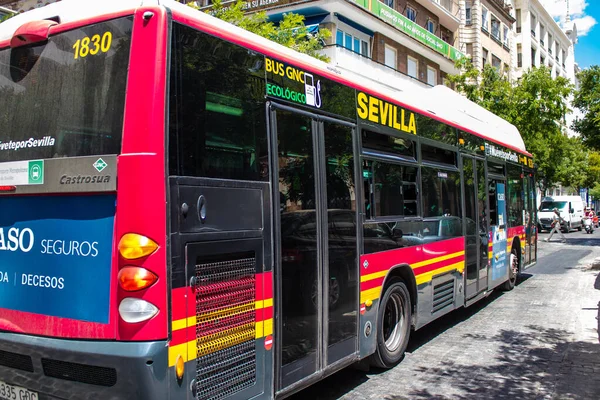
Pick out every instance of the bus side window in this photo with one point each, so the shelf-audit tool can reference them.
(217, 116)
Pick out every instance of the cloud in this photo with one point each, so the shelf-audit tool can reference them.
(584, 24)
(558, 10)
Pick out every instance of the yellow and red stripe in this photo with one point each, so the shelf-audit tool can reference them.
(425, 260)
(230, 326)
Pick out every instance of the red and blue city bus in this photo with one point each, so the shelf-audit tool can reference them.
(189, 211)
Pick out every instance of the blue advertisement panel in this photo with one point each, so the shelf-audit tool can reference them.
(499, 258)
(55, 255)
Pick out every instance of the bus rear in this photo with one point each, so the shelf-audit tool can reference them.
(83, 285)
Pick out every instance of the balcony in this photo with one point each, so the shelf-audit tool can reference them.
(367, 67)
(447, 11)
(503, 5)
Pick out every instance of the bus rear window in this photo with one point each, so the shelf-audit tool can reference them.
(65, 97)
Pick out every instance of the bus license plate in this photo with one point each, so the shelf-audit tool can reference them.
(11, 392)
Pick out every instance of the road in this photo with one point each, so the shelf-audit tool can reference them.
(539, 341)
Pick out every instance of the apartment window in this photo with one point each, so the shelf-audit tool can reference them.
(542, 60)
(505, 35)
(496, 63)
(533, 57)
(411, 14)
(484, 19)
(390, 57)
(518, 17)
(550, 43)
(484, 57)
(495, 28)
(431, 76)
(519, 56)
(348, 41)
(430, 26)
(413, 66)
(542, 34)
(468, 12)
(469, 49)
(533, 25)
(352, 43)
(564, 58)
(389, 3)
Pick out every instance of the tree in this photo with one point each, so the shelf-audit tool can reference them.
(536, 104)
(290, 32)
(587, 100)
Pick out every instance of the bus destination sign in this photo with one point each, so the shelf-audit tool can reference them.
(381, 112)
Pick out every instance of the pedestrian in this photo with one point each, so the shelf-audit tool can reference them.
(557, 220)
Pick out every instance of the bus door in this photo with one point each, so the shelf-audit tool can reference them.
(316, 271)
(498, 231)
(476, 235)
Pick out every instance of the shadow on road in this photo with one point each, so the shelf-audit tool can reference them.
(586, 241)
(348, 379)
(538, 363)
(535, 363)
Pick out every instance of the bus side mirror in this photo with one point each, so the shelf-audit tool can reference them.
(31, 32)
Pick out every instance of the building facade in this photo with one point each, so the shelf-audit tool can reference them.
(541, 41)
(486, 34)
(396, 42)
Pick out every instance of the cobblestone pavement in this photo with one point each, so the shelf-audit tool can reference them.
(539, 341)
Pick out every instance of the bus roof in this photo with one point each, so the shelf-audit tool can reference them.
(438, 102)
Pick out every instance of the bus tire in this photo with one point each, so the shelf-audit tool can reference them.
(393, 325)
(513, 270)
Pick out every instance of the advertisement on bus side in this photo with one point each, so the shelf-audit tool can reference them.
(55, 255)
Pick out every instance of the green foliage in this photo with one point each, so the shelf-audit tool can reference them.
(587, 100)
(291, 31)
(6, 17)
(536, 104)
(595, 191)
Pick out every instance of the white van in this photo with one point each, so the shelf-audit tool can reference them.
(570, 208)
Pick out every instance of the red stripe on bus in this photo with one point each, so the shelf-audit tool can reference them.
(45, 325)
(181, 336)
(382, 261)
(263, 314)
(267, 285)
(179, 305)
(373, 283)
(437, 265)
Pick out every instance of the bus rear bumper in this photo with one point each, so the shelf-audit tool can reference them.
(75, 369)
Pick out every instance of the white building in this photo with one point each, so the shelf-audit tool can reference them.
(541, 41)
(487, 34)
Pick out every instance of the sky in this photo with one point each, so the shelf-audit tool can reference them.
(586, 15)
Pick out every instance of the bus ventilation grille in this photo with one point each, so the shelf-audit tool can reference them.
(225, 325)
(14, 360)
(89, 374)
(443, 295)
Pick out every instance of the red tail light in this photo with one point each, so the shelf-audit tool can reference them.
(136, 278)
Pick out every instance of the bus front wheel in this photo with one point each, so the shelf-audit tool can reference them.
(393, 325)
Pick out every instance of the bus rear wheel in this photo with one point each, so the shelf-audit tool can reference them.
(393, 325)
(513, 270)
